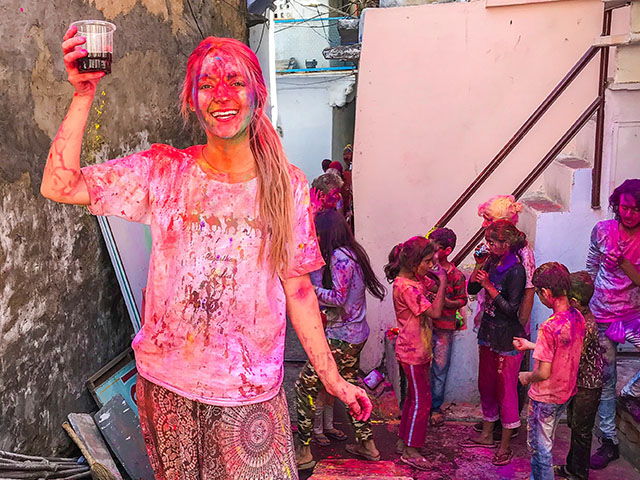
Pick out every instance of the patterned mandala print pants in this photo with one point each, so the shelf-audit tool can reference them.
(189, 440)
(347, 357)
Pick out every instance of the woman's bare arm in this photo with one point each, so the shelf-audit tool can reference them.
(62, 180)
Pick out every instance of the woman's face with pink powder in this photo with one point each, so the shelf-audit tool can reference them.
(225, 103)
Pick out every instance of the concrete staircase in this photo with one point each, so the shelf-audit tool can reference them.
(557, 215)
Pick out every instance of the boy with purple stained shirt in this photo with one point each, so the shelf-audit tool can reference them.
(614, 264)
(557, 357)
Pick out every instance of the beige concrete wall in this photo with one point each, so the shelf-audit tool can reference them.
(442, 88)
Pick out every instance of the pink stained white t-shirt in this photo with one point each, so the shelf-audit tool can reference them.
(560, 343)
(214, 320)
(414, 342)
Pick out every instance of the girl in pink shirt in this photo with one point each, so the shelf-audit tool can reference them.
(233, 243)
(408, 263)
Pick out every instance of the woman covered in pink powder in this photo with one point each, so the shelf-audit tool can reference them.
(233, 243)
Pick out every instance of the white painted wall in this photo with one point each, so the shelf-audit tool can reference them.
(262, 42)
(436, 104)
(622, 127)
(305, 103)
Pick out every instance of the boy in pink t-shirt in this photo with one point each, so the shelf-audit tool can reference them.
(557, 358)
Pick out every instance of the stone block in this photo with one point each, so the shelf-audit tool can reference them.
(627, 64)
(629, 437)
(353, 469)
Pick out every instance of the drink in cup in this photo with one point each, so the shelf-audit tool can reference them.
(482, 251)
(99, 45)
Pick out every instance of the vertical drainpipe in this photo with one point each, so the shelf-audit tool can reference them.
(273, 93)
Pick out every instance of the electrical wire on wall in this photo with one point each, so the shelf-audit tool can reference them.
(193, 15)
(305, 20)
(298, 23)
(284, 82)
(264, 27)
(195, 19)
(325, 38)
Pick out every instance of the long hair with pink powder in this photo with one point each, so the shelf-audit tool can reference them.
(275, 192)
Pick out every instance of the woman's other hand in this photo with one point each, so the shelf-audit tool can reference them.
(355, 398)
(84, 84)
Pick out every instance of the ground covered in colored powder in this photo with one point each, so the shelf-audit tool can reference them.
(449, 461)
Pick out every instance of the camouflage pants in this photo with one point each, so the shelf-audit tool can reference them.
(347, 357)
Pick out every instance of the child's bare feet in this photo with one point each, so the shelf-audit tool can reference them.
(502, 456)
(479, 441)
(414, 458)
(437, 419)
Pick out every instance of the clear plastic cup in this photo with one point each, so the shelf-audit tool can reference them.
(99, 45)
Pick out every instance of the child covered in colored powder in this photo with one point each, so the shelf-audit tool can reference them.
(408, 263)
(557, 358)
(505, 207)
(583, 406)
(233, 243)
(444, 327)
(325, 193)
(614, 264)
(342, 286)
(502, 277)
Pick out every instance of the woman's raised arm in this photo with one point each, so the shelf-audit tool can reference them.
(62, 180)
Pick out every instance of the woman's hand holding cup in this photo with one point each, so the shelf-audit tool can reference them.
(84, 84)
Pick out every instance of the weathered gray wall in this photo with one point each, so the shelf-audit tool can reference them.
(344, 122)
(61, 312)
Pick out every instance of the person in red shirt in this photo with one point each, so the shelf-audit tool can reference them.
(445, 326)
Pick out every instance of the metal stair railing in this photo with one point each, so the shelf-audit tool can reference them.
(597, 107)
